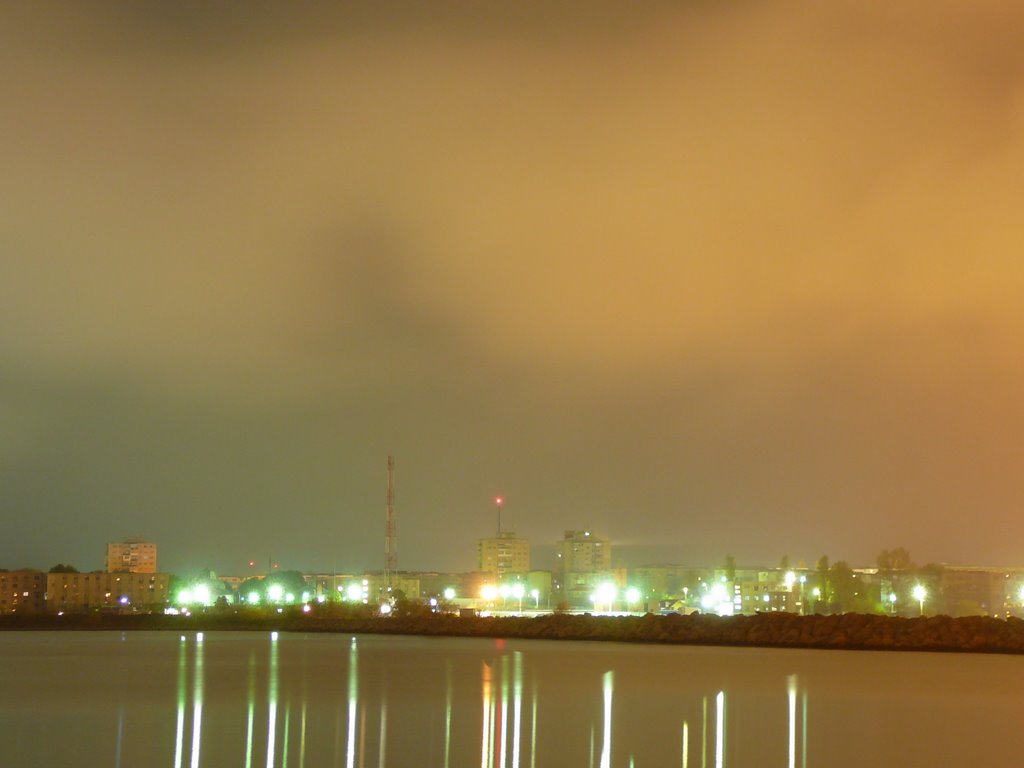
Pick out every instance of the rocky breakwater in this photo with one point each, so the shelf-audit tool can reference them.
(850, 631)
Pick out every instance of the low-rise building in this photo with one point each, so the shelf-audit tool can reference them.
(767, 597)
(79, 592)
(23, 591)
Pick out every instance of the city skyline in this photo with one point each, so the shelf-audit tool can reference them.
(708, 279)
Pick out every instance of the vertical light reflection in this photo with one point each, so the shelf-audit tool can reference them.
(606, 746)
(383, 733)
(179, 735)
(284, 741)
(272, 701)
(302, 738)
(686, 744)
(720, 729)
(792, 721)
(803, 727)
(517, 704)
(503, 742)
(353, 695)
(591, 763)
(252, 710)
(447, 711)
(362, 735)
(533, 727)
(197, 701)
(485, 737)
(493, 709)
(704, 733)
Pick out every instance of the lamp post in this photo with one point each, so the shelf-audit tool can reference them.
(920, 593)
(535, 594)
(517, 592)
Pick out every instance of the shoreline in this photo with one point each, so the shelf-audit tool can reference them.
(861, 632)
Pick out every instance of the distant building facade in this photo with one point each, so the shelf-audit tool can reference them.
(766, 597)
(504, 554)
(131, 556)
(584, 552)
(967, 591)
(81, 592)
(584, 561)
(22, 591)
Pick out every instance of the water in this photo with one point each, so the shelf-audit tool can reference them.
(248, 699)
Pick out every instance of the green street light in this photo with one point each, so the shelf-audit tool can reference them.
(632, 596)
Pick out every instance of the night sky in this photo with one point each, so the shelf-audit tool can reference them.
(705, 277)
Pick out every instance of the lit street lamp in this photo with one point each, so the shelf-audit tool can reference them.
(535, 594)
(920, 593)
(606, 594)
(632, 595)
(517, 592)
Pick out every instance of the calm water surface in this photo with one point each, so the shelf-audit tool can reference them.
(253, 699)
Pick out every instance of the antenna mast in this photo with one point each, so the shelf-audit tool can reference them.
(390, 534)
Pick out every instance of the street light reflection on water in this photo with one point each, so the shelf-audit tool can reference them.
(508, 713)
(376, 701)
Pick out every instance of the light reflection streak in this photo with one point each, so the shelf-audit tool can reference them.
(302, 737)
(792, 721)
(493, 709)
(533, 727)
(517, 704)
(252, 710)
(485, 737)
(353, 691)
(362, 735)
(720, 729)
(686, 744)
(179, 736)
(503, 741)
(197, 702)
(383, 733)
(272, 701)
(803, 726)
(704, 733)
(284, 741)
(606, 746)
(447, 711)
